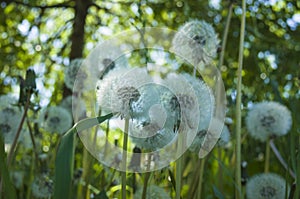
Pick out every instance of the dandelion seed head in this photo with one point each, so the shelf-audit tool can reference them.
(10, 117)
(266, 186)
(117, 92)
(71, 72)
(112, 59)
(268, 119)
(56, 119)
(196, 41)
(17, 178)
(224, 137)
(74, 105)
(206, 101)
(42, 187)
(183, 101)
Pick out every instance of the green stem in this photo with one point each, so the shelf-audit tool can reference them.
(195, 180)
(238, 105)
(147, 175)
(281, 160)
(201, 177)
(267, 156)
(220, 170)
(14, 144)
(124, 158)
(225, 36)
(179, 165)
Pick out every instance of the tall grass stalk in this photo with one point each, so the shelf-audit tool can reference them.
(238, 105)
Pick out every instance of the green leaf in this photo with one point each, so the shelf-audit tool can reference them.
(7, 187)
(217, 192)
(64, 164)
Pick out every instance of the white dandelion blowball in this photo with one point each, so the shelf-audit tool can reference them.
(224, 137)
(196, 41)
(56, 119)
(71, 103)
(71, 72)
(153, 191)
(206, 101)
(106, 57)
(267, 119)
(42, 187)
(185, 101)
(117, 92)
(10, 117)
(266, 186)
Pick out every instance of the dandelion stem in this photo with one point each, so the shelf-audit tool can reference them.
(124, 158)
(195, 180)
(238, 193)
(179, 164)
(225, 36)
(267, 156)
(201, 177)
(280, 158)
(147, 175)
(14, 144)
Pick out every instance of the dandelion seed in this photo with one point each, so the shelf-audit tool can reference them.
(56, 119)
(267, 119)
(153, 191)
(196, 41)
(266, 186)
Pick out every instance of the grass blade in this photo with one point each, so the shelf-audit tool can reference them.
(7, 187)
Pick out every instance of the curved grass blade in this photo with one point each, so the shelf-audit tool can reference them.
(64, 163)
(7, 187)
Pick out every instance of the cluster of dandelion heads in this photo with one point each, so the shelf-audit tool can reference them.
(71, 72)
(118, 92)
(267, 119)
(196, 41)
(153, 191)
(42, 187)
(266, 186)
(56, 119)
